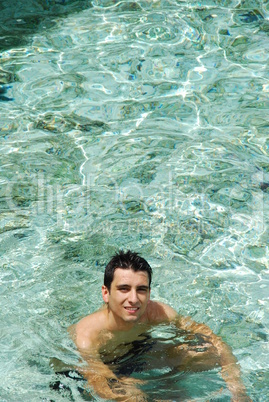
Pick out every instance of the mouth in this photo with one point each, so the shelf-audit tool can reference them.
(132, 310)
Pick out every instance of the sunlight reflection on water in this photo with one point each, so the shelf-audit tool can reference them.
(138, 125)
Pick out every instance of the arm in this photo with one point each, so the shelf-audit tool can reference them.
(99, 376)
(105, 383)
(218, 352)
(230, 369)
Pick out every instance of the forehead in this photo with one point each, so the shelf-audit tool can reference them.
(130, 277)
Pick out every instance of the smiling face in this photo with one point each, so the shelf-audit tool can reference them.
(128, 297)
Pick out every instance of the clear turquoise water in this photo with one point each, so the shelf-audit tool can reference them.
(139, 125)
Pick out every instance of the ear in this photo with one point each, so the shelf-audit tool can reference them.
(105, 293)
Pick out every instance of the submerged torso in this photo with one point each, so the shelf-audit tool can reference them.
(161, 346)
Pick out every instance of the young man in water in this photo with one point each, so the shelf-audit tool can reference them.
(129, 313)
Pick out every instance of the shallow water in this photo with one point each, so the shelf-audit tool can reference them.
(138, 125)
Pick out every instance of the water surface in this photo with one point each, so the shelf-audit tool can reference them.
(140, 125)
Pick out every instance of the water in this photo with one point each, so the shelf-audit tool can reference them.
(138, 125)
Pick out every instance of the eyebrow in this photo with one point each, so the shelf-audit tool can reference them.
(128, 286)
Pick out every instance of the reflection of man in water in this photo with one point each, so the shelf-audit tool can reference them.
(127, 315)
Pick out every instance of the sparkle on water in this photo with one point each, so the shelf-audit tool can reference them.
(138, 125)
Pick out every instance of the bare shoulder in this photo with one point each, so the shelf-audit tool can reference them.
(159, 312)
(86, 333)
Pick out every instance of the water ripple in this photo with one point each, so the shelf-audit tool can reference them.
(137, 125)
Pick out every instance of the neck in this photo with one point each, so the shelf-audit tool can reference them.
(118, 324)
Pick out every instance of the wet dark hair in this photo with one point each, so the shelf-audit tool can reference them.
(126, 260)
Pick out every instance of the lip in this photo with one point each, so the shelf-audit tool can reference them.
(132, 310)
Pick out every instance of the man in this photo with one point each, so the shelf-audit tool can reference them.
(126, 317)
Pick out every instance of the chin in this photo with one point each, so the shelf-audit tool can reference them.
(131, 319)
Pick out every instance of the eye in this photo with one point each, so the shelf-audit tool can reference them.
(123, 289)
(142, 290)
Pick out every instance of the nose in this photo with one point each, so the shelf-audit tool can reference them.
(133, 296)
